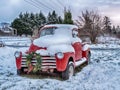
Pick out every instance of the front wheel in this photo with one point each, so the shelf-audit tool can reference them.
(69, 72)
(89, 58)
(19, 71)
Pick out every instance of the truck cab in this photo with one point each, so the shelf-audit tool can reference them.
(59, 50)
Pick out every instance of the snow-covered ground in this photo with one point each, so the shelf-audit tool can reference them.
(102, 74)
(107, 43)
(16, 41)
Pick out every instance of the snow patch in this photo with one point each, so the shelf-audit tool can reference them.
(102, 75)
(85, 47)
(76, 39)
(16, 41)
(42, 52)
(50, 40)
(67, 26)
(52, 50)
(60, 48)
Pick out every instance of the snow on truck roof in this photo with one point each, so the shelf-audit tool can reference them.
(62, 26)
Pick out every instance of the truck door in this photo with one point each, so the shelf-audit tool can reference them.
(77, 45)
(78, 50)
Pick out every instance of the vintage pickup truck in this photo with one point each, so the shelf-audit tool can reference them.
(58, 49)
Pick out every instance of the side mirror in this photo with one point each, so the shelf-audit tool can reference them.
(75, 34)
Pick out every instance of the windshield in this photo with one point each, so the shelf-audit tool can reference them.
(47, 31)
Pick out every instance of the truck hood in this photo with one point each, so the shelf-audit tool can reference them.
(50, 40)
(52, 50)
(54, 44)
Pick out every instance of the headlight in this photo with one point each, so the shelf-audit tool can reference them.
(17, 54)
(60, 55)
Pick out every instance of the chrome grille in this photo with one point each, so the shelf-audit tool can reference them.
(47, 62)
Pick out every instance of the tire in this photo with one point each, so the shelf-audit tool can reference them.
(19, 71)
(69, 72)
(89, 59)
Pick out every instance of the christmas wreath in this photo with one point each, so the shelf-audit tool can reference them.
(29, 58)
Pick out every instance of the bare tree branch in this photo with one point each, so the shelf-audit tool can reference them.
(91, 22)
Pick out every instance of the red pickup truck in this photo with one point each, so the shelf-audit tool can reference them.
(58, 49)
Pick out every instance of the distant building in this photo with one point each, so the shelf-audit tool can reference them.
(6, 30)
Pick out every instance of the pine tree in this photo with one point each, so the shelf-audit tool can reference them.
(53, 18)
(27, 22)
(114, 30)
(60, 20)
(49, 18)
(41, 18)
(23, 24)
(107, 25)
(18, 25)
(21, 15)
(68, 17)
(32, 20)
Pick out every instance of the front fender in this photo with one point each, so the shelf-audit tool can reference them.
(61, 64)
(85, 53)
(85, 50)
(18, 61)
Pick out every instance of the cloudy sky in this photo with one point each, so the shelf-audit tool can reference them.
(10, 9)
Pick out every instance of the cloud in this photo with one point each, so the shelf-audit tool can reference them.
(14, 2)
(112, 12)
(110, 8)
(10, 9)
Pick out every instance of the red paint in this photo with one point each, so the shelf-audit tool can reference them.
(18, 62)
(78, 50)
(62, 63)
(85, 53)
(34, 48)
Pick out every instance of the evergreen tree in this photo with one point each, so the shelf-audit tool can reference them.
(41, 18)
(49, 18)
(21, 15)
(60, 20)
(27, 26)
(53, 18)
(18, 25)
(68, 17)
(32, 20)
(107, 24)
(27, 22)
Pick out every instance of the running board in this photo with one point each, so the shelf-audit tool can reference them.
(78, 63)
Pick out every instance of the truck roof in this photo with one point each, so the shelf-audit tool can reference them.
(62, 25)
